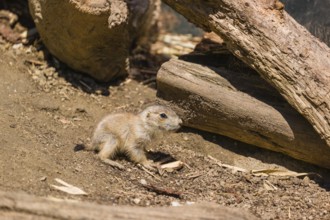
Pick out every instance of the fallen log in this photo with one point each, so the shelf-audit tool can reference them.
(95, 37)
(240, 106)
(23, 206)
(265, 37)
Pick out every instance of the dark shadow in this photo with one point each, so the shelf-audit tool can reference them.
(144, 66)
(156, 156)
(81, 80)
(160, 157)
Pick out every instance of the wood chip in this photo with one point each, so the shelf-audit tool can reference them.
(68, 188)
(176, 165)
(44, 178)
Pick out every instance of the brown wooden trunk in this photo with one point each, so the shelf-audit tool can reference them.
(241, 106)
(95, 37)
(266, 38)
(23, 206)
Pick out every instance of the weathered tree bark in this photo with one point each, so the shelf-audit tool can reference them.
(95, 37)
(266, 38)
(240, 106)
(23, 206)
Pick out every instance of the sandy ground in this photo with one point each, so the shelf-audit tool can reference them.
(47, 109)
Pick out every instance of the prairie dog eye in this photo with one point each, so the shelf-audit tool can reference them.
(163, 115)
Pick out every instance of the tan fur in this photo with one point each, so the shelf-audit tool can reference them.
(130, 133)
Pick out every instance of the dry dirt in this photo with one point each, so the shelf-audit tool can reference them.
(47, 109)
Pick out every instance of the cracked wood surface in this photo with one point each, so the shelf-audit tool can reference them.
(265, 37)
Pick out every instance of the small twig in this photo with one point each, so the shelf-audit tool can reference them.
(162, 191)
(148, 172)
(148, 81)
(35, 62)
(196, 175)
(227, 166)
(189, 167)
(84, 84)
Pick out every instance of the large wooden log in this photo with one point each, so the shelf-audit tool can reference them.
(241, 106)
(95, 37)
(24, 206)
(265, 37)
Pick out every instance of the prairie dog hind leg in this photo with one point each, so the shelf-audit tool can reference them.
(107, 148)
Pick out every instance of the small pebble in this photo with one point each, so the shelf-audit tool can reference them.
(143, 182)
(136, 201)
(44, 178)
(306, 181)
(175, 203)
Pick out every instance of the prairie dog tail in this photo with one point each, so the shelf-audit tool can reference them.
(80, 147)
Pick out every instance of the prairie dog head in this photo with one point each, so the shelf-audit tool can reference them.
(161, 117)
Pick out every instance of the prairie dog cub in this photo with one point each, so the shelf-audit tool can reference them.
(130, 133)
